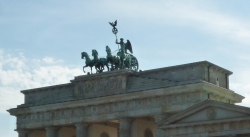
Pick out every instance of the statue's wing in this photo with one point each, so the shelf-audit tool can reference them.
(115, 23)
(129, 46)
(111, 24)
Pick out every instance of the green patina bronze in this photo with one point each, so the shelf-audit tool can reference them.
(99, 63)
(88, 62)
(114, 61)
(122, 59)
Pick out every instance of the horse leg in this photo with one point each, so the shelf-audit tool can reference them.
(91, 69)
(96, 69)
(102, 67)
(122, 64)
(107, 66)
(117, 63)
(83, 69)
(112, 66)
(99, 69)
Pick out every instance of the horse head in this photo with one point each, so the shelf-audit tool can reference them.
(83, 54)
(108, 50)
(94, 52)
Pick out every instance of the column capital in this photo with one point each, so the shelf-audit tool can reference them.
(51, 131)
(81, 129)
(22, 132)
(81, 125)
(124, 127)
(51, 128)
(159, 132)
(126, 119)
(161, 117)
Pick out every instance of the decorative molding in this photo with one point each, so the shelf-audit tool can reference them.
(107, 108)
(208, 127)
(99, 87)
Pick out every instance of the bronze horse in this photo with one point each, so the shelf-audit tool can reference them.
(88, 63)
(99, 63)
(113, 60)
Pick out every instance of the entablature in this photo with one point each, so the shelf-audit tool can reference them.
(134, 104)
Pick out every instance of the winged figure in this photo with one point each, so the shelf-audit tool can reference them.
(113, 24)
(126, 46)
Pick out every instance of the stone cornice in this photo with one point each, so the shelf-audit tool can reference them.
(206, 122)
(200, 106)
(42, 89)
(223, 92)
(111, 99)
(203, 63)
(224, 133)
(120, 97)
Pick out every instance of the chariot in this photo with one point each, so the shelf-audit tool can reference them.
(122, 59)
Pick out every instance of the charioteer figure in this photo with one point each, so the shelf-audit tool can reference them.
(124, 56)
(125, 46)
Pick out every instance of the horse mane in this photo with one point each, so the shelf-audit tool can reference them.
(85, 53)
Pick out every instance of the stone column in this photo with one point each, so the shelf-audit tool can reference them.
(124, 127)
(81, 130)
(159, 132)
(51, 131)
(159, 118)
(22, 133)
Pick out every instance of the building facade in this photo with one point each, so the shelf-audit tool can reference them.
(190, 100)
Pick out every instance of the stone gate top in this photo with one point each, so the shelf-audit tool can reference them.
(120, 94)
(126, 81)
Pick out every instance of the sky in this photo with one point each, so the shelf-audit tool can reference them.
(41, 41)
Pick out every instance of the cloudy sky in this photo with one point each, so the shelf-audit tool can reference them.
(41, 41)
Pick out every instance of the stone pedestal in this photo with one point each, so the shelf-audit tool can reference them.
(51, 131)
(22, 133)
(81, 130)
(124, 127)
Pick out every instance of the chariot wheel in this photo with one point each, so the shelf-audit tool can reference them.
(134, 64)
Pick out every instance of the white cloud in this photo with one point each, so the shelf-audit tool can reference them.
(50, 60)
(241, 85)
(19, 73)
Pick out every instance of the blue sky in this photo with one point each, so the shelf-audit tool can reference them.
(41, 41)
